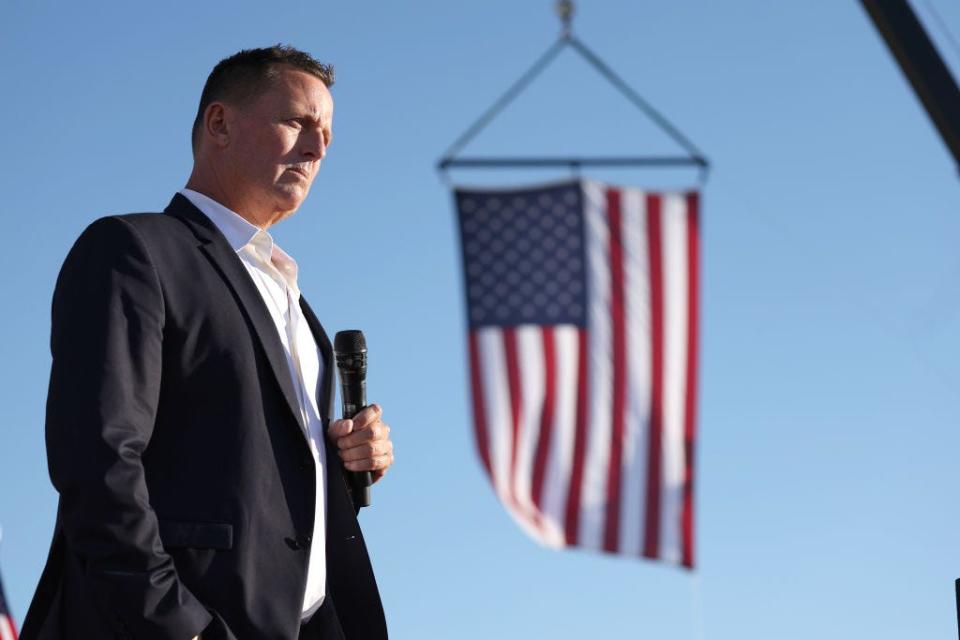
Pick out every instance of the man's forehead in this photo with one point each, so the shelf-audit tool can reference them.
(305, 90)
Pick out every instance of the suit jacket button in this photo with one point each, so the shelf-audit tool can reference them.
(293, 543)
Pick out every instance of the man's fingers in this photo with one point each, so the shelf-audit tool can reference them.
(370, 464)
(364, 442)
(367, 450)
(361, 435)
(339, 428)
(367, 415)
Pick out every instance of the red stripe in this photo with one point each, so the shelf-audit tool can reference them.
(516, 403)
(546, 417)
(572, 515)
(479, 405)
(651, 538)
(611, 536)
(693, 318)
(8, 621)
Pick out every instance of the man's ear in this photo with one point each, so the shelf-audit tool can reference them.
(216, 125)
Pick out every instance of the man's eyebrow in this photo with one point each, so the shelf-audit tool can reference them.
(303, 114)
(310, 118)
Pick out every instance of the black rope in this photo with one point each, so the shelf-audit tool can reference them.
(637, 99)
(503, 101)
(695, 158)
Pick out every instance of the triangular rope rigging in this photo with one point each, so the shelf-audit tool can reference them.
(694, 157)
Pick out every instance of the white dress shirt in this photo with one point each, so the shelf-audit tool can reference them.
(275, 274)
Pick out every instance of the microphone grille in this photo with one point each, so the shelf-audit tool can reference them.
(349, 341)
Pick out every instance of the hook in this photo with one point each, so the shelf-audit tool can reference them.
(565, 10)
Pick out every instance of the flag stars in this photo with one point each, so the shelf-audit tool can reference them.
(522, 255)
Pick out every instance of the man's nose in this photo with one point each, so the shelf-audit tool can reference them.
(314, 146)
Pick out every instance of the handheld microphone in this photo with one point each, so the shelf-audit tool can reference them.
(350, 348)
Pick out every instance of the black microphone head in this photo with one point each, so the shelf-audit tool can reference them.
(350, 348)
(349, 342)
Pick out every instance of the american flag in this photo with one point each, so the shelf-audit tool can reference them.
(582, 305)
(8, 630)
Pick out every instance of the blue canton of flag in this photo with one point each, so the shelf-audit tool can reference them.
(523, 255)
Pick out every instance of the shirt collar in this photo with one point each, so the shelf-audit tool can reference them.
(238, 231)
(241, 233)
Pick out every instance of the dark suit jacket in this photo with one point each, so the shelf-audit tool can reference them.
(187, 488)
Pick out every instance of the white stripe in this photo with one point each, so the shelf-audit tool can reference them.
(593, 499)
(6, 628)
(531, 365)
(560, 459)
(496, 390)
(674, 373)
(637, 423)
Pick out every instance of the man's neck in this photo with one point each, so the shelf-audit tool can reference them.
(212, 189)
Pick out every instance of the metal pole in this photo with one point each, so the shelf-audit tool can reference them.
(918, 58)
(957, 590)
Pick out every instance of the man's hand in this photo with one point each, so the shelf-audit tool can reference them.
(364, 442)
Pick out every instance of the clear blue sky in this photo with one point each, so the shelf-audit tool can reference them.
(831, 357)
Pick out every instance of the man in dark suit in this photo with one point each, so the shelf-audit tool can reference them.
(189, 432)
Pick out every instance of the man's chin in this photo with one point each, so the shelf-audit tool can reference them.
(289, 198)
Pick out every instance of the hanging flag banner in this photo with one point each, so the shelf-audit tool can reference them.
(8, 630)
(582, 306)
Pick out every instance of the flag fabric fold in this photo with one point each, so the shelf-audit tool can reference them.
(582, 308)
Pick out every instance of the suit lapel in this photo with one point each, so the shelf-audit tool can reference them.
(326, 351)
(215, 246)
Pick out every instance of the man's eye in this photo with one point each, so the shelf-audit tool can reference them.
(296, 124)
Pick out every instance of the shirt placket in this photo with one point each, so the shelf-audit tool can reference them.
(291, 327)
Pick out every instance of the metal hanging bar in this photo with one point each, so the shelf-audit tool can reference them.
(596, 161)
(565, 10)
